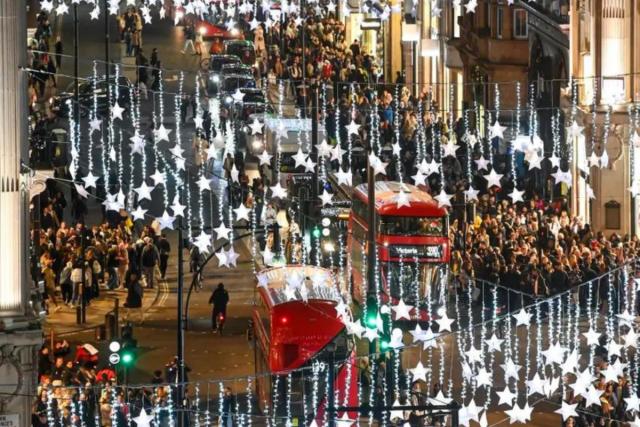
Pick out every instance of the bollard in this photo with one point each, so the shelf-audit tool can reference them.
(116, 312)
(111, 326)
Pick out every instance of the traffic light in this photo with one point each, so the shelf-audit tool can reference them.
(316, 232)
(371, 313)
(127, 357)
(123, 350)
(384, 343)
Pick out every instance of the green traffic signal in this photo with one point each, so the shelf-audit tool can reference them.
(127, 357)
(371, 319)
(384, 344)
(371, 313)
(316, 232)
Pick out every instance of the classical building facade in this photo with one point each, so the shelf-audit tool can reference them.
(605, 60)
(20, 333)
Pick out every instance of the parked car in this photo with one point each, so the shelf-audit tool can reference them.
(60, 105)
(237, 68)
(216, 62)
(243, 49)
(253, 103)
(233, 82)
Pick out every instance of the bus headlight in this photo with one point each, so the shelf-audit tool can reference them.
(329, 247)
(256, 144)
(202, 30)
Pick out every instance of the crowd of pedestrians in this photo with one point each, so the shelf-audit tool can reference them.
(77, 262)
(76, 391)
(536, 248)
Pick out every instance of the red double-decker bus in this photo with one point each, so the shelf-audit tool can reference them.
(295, 323)
(412, 241)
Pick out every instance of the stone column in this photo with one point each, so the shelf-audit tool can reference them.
(20, 333)
(13, 141)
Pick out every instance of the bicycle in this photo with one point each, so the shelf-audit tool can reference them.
(220, 319)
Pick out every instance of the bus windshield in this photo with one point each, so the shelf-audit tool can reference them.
(412, 226)
(412, 281)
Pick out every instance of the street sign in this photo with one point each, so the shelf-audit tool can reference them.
(114, 358)
(10, 420)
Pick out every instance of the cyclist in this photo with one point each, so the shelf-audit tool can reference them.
(219, 298)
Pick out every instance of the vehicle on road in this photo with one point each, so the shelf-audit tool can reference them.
(243, 49)
(233, 82)
(236, 68)
(412, 241)
(214, 70)
(60, 103)
(253, 103)
(296, 325)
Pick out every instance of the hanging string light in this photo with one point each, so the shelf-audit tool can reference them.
(249, 409)
(594, 115)
(513, 140)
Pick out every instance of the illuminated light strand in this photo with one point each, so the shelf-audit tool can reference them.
(164, 200)
(373, 132)
(396, 373)
(443, 297)
(497, 109)
(114, 407)
(555, 149)
(483, 336)
(51, 419)
(123, 144)
(470, 338)
(105, 147)
(467, 140)
(315, 378)
(489, 140)
(177, 114)
(109, 141)
(327, 397)
(452, 134)
(239, 416)
(221, 399)
(274, 399)
(384, 397)
(512, 142)
(476, 115)
(249, 409)
(632, 148)
(350, 137)
(196, 406)
(574, 111)
(372, 389)
(396, 131)
(606, 127)
(254, 246)
(170, 407)
(594, 115)
(72, 410)
(550, 330)
(73, 137)
(532, 117)
(591, 324)
(278, 137)
(421, 135)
